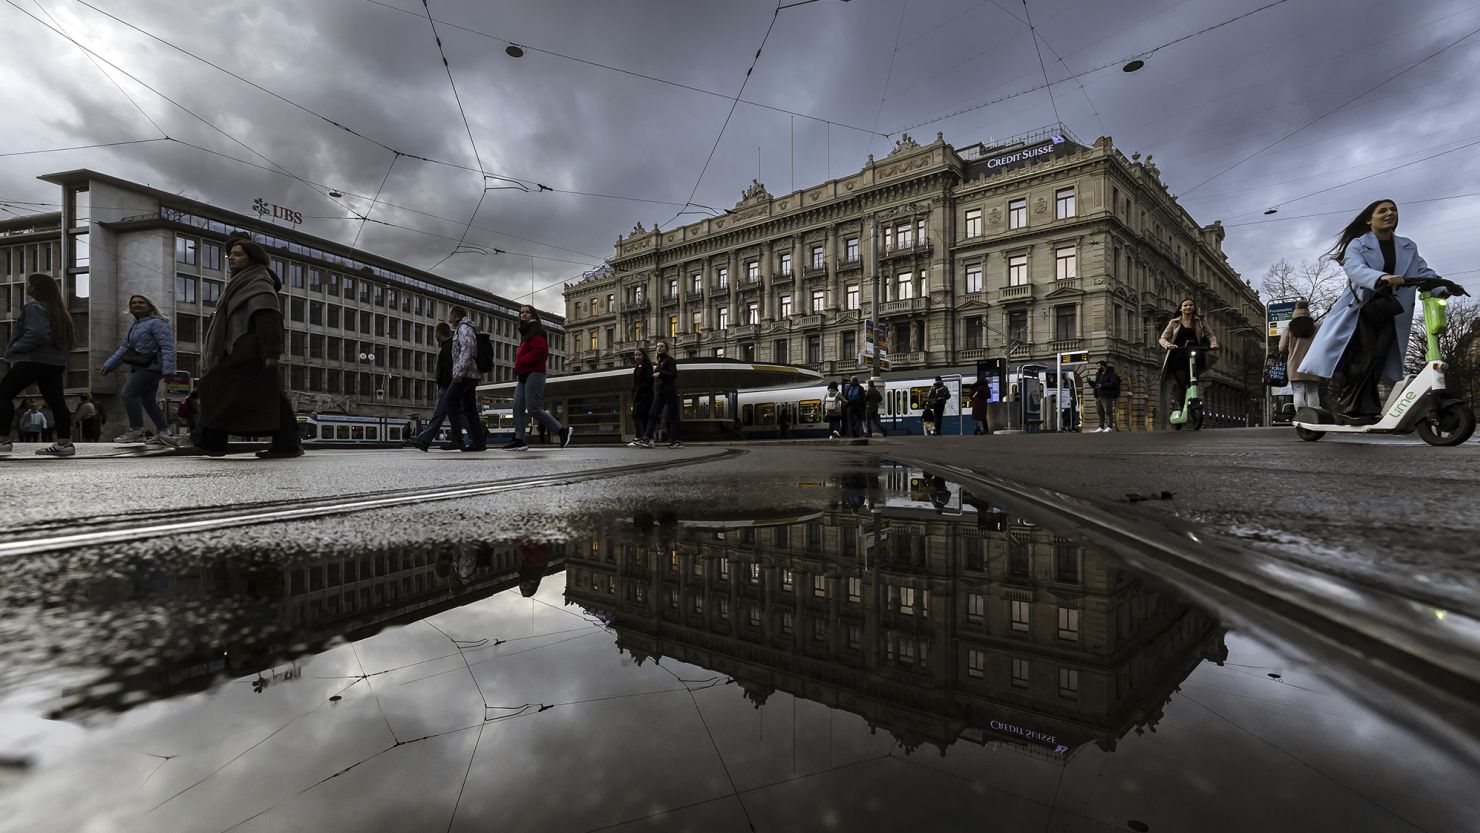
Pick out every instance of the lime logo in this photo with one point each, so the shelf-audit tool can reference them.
(1408, 399)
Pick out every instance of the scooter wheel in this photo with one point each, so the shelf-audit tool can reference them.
(1308, 435)
(1451, 423)
(1196, 419)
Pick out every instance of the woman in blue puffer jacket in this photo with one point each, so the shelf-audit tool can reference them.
(149, 348)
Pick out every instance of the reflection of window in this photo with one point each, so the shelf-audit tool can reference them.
(1020, 672)
(976, 663)
(1021, 613)
(1069, 624)
(976, 607)
(1068, 684)
(809, 412)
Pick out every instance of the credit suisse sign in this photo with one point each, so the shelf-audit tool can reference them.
(1017, 157)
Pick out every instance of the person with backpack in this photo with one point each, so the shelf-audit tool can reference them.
(853, 409)
(938, 396)
(149, 348)
(40, 340)
(529, 391)
(1106, 385)
(1295, 342)
(873, 400)
(462, 394)
(833, 404)
(423, 439)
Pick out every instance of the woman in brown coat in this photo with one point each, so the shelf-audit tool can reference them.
(1295, 342)
(1182, 333)
(239, 391)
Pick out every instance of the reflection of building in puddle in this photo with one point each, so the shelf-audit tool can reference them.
(235, 617)
(936, 627)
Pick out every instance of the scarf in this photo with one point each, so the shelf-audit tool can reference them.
(252, 290)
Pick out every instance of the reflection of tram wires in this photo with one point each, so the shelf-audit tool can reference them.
(734, 788)
(378, 704)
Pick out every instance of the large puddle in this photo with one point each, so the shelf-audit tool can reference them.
(888, 651)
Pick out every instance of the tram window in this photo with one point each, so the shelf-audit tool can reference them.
(357, 432)
(342, 432)
(309, 432)
(809, 412)
(918, 397)
(393, 432)
(766, 414)
(372, 432)
(747, 414)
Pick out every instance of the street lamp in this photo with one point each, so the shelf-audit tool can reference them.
(382, 393)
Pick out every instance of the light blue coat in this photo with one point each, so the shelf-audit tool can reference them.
(1363, 265)
(148, 335)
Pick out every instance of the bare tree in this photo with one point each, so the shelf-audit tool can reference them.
(1320, 281)
(1457, 347)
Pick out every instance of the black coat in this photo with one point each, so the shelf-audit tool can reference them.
(642, 382)
(667, 374)
(444, 365)
(1106, 384)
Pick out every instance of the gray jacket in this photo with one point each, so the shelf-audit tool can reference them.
(30, 338)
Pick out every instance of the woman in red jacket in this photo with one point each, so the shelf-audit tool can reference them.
(529, 393)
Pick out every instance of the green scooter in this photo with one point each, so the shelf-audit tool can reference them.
(1191, 412)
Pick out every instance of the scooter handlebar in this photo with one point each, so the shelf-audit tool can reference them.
(1430, 284)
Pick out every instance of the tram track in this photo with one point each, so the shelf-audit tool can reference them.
(61, 535)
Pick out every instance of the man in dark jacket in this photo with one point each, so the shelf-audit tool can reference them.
(853, 402)
(424, 439)
(938, 397)
(665, 377)
(873, 399)
(1106, 385)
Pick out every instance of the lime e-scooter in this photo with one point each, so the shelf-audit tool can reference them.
(1191, 412)
(1420, 402)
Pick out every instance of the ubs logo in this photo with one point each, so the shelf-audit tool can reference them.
(277, 212)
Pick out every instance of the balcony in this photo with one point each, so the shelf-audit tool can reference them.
(635, 306)
(744, 331)
(694, 295)
(973, 354)
(912, 359)
(686, 340)
(1021, 292)
(903, 307)
(670, 300)
(1067, 345)
(1066, 285)
(805, 321)
(783, 278)
(719, 289)
(589, 355)
(810, 271)
(850, 265)
(921, 248)
(750, 284)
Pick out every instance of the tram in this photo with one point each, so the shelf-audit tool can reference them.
(320, 430)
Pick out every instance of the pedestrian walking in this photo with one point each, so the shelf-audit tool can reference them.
(86, 426)
(31, 422)
(462, 393)
(240, 392)
(1106, 387)
(980, 395)
(148, 348)
(1295, 343)
(853, 397)
(642, 390)
(834, 404)
(873, 400)
(783, 421)
(665, 399)
(424, 438)
(40, 339)
(529, 391)
(938, 396)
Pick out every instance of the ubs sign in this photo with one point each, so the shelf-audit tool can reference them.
(1055, 144)
(277, 212)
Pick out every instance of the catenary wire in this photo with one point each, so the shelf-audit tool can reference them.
(1043, 67)
(889, 75)
(105, 74)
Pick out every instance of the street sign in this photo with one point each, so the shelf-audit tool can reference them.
(178, 384)
(994, 373)
(1280, 313)
(1081, 357)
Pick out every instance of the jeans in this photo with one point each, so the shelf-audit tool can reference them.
(1307, 394)
(666, 399)
(528, 396)
(140, 396)
(1105, 409)
(48, 380)
(462, 409)
(439, 415)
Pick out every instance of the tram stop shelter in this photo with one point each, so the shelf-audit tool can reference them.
(598, 404)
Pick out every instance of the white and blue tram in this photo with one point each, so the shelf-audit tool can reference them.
(904, 402)
(320, 430)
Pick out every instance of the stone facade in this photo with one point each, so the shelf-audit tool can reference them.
(1025, 250)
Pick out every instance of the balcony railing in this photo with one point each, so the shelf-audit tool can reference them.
(719, 289)
(855, 263)
(783, 278)
(924, 247)
(911, 359)
(1020, 292)
(907, 305)
(694, 295)
(973, 354)
(1067, 345)
(1066, 283)
(686, 339)
(804, 321)
(670, 300)
(635, 306)
(811, 271)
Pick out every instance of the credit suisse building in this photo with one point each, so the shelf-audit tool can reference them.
(1023, 249)
(360, 327)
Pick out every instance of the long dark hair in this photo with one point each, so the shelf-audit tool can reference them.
(1302, 326)
(644, 360)
(1356, 228)
(44, 289)
(533, 327)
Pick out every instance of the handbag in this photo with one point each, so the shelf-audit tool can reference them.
(1275, 372)
(134, 358)
(1382, 306)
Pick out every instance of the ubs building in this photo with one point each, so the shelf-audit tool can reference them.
(360, 328)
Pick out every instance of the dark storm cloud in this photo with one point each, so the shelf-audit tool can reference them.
(1198, 107)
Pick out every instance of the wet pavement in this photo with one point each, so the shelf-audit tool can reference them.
(813, 643)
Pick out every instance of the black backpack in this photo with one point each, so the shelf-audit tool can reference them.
(484, 356)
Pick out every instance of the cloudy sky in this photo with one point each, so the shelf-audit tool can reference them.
(1314, 106)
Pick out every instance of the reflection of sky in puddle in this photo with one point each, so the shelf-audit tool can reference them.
(842, 668)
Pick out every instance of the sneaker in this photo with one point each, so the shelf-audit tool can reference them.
(420, 445)
(515, 445)
(58, 450)
(1110, 429)
(163, 441)
(130, 438)
(6, 447)
(565, 434)
(675, 444)
(833, 436)
(272, 454)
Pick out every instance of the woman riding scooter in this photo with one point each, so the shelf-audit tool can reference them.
(1186, 331)
(1360, 343)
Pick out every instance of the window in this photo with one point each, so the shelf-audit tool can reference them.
(814, 349)
(1021, 670)
(1069, 624)
(855, 635)
(210, 292)
(848, 344)
(904, 286)
(1021, 615)
(1065, 322)
(905, 236)
(724, 608)
(972, 326)
(698, 323)
(1017, 327)
(1017, 213)
(595, 334)
(672, 326)
(851, 298)
(1063, 200)
(673, 288)
(611, 336)
(976, 607)
(724, 569)
(1017, 270)
(187, 327)
(974, 222)
(295, 275)
(185, 250)
(786, 622)
(785, 306)
(722, 317)
(349, 287)
(753, 312)
(787, 580)
(611, 303)
(185, 288)
(819, 298)
(594, 308)
(1066, 563)
(754, 571)
(332, 287)
(210, 256)
(785, 264)
(1066, 263)
(819, 586)
(817, 257)
(850, 250)
(855, 589)
(976, 663)
(698, 604)
(752, 271)
(973, 278)
(722, 277)
(295, 309)
(780, 352)
(1068, 683)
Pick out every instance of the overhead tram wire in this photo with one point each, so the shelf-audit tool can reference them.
(1348, 211)
(889, 76)
(1091, 71)
(1041, 65)
(734, 102)
(86, 147)
(119, 87)
(395, 155)
(678, 84)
